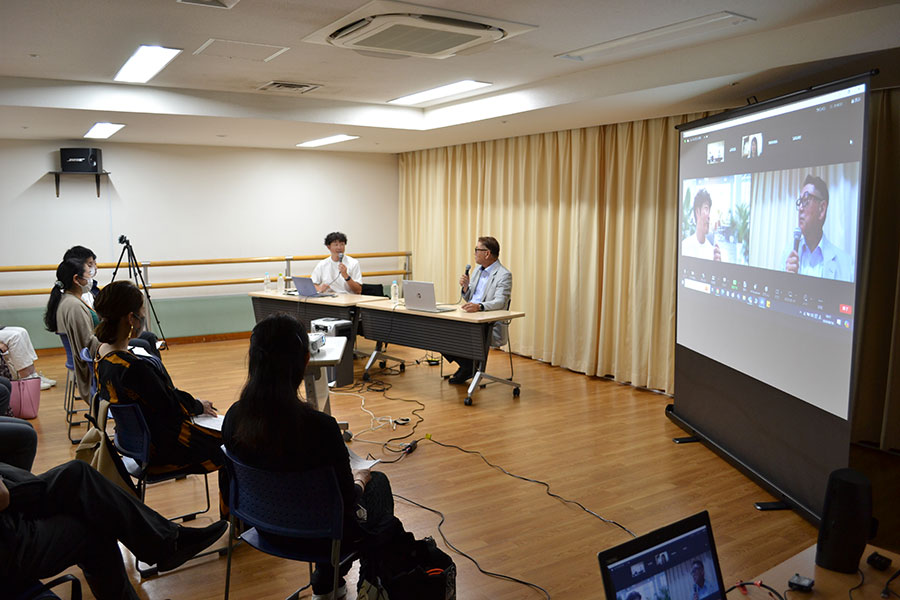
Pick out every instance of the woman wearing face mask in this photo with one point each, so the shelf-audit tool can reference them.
(176, 443)
(67, 313)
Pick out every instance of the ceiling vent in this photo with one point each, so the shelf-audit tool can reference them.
(289, 87)
(396, 29)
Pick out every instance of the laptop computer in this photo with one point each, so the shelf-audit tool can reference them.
(419, 295)
(678, 561)
(305, 287)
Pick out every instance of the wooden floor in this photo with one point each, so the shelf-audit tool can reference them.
(605, 445)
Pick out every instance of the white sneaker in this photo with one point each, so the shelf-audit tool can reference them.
(341, 593)
(47, 380)
(44, 385)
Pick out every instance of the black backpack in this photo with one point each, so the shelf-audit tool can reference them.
(410, 569)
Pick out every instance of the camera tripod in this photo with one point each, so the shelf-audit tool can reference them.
(135, 274)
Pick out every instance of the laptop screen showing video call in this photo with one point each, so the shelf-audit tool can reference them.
(683, 567)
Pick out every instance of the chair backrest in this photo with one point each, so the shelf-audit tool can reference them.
(70, 363)
(304, 504)
(85, 356)
(132, 434)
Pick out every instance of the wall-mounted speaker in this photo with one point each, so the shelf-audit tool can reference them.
(846, 521)
(81, 160)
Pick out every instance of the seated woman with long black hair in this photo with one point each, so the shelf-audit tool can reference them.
(176, 443)
(67, 313)
(271, 428)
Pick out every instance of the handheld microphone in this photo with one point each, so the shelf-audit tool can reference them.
(341, 256)
(797, 234)
(467, 269)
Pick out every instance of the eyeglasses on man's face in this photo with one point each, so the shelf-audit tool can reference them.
(477, 250)
(805, 198)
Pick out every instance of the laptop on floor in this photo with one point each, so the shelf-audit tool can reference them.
(306, 288)
(676, 562)
(419, 295)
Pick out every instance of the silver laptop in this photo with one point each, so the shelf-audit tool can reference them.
(419, 295)
(305, 287)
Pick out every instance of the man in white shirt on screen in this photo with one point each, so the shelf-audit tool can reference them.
(813, 254)
(697, 245)
(338, 273)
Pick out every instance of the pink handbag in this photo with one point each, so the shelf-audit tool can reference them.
(25, 398)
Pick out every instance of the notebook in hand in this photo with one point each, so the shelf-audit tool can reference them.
(675, 562)
(305, 287)
(419, 295)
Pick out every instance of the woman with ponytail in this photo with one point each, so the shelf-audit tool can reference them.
(67, 313)
(176, 443)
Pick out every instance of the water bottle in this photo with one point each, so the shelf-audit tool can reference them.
(267, 283)
(395, 292)
(280, 288)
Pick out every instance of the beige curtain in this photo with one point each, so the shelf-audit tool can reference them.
(587, 223)
(876, 407)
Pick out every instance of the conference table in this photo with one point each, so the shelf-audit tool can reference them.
(340, 306)
(453, 333)
(828, 584)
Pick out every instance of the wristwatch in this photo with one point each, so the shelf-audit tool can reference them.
(346, 279)
(480, 306)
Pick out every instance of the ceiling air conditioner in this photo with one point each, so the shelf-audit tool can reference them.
(414, 35)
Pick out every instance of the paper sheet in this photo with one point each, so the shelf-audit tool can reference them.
(208, 422)
(357, 462)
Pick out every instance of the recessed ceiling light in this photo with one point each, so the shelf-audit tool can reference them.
(451, 89)
(334, 139)
(103, 130)
(145, 63)
(676, 31)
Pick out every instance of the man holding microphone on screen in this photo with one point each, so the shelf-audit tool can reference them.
(489, 289)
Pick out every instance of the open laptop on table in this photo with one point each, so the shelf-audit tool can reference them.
(306, 288)
(419, 295)
(677, 561)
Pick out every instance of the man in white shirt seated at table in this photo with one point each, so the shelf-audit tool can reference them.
(338, 273)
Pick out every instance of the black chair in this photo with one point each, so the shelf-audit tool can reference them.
(132, 440)
(291, 506)
(41, 591)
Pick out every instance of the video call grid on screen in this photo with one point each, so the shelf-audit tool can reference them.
(755, 294)
(666, 571)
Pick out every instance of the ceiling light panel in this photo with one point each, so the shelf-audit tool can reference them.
(101, 131)
(334, 139)
(145, 63)
(444, 91)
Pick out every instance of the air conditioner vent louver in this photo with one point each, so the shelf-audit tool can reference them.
(393, 29)
(289, 86)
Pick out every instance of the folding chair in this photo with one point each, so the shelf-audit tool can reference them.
(304, 505)
(70, 390)
(132, 440)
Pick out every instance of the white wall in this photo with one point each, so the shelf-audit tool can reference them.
(183, 202)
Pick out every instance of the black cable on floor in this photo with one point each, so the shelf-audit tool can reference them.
(475, 562)
(538, 481)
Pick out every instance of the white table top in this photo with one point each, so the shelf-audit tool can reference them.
(488, 316)
(337, 300)
(329, 354)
